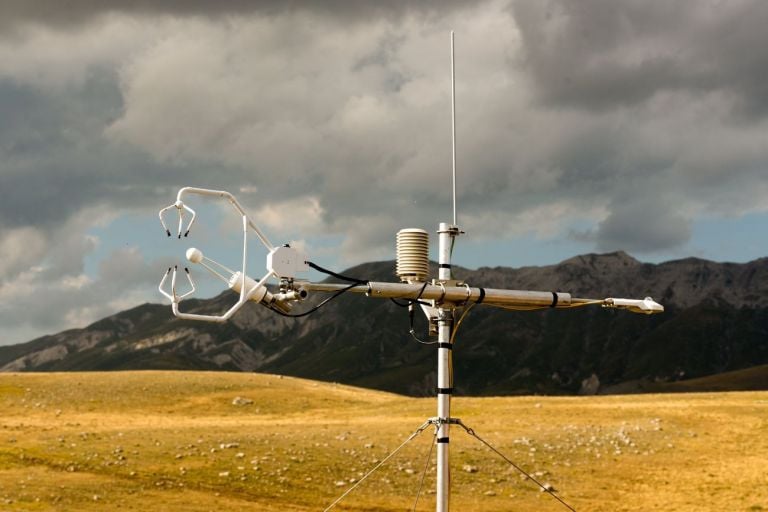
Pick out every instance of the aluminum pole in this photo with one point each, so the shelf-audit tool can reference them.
(444, 372)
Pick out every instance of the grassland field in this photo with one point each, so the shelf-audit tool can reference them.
(156, 441)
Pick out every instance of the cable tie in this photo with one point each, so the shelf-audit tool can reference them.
(469, 293)
(442, 288)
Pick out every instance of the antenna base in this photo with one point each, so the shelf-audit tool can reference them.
(450, 229)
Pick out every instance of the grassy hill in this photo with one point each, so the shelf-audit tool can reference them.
(175, 441)
(748, 379)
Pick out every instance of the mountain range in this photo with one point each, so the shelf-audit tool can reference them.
(715, 324)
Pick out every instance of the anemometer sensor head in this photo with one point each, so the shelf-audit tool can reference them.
(286, 262)
(412, 255)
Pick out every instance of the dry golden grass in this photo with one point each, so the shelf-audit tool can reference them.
(174, 441)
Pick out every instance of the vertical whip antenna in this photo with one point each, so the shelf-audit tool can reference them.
(453, 127)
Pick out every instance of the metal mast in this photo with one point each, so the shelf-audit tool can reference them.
(445, 320)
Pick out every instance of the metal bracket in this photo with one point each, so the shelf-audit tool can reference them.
(444, 421)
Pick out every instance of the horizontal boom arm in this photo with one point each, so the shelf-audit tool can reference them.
(490, 296)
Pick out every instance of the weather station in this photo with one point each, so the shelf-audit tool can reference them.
(443, 300)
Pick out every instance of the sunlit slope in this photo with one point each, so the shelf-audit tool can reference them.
(176, 441)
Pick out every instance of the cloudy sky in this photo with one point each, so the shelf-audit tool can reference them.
(585, 126)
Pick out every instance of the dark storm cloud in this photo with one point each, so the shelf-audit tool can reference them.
(53, 158)
(643, 224)
(56, 162)
(26, 117)
(600, 54)
(76, 12)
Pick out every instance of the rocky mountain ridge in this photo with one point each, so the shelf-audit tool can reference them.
(716, 320)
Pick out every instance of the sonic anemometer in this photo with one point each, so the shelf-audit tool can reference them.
(440, 299)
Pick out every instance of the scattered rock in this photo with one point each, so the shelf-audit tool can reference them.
(239, 400)
(590, 386)
(467, 468)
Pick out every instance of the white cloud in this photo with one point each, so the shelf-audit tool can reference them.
(75, 282)
(298, 215)
(125, 278)
(20, 249)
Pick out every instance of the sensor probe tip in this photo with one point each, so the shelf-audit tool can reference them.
(194, 255)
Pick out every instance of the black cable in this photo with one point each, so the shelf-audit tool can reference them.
(326, 301)
(419, 340)
(409, 302)
(334, 274)
(400, 304)
(412, 331)
(353, 280)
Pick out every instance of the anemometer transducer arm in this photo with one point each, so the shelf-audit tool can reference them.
(247, 288)
(181, 208)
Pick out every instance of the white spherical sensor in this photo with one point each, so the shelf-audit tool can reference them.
(194, 255)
